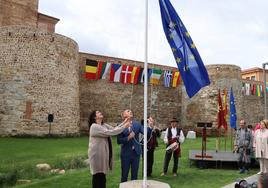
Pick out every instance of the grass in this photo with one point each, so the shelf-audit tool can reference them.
(23, 154)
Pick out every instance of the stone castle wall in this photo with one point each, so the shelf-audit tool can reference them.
(18, 12)
(42, 72)
(202, 108)
(39, 74)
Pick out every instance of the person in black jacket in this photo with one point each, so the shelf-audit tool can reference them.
(151, 145)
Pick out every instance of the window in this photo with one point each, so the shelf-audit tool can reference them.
(253, 78)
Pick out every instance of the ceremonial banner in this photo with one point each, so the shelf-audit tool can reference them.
(220, 118)
(225, 110)
(189, 62)
(232, 110)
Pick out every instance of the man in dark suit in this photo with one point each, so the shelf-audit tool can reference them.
(130, 146)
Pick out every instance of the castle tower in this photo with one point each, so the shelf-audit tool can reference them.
(202, 108)
(39, 73)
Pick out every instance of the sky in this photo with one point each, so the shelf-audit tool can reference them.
(224, 31)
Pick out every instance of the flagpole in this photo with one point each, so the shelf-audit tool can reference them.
(145, 97)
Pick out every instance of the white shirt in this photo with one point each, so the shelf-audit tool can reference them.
(174, 134)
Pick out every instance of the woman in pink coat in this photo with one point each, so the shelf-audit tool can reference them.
(261, 146)
(100, 147)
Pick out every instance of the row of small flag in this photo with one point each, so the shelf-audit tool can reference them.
(253, 89)
(129, 74)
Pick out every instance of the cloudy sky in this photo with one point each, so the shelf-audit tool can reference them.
(224, 31)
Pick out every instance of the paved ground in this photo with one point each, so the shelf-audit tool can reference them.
(139, 184)
(249, 179)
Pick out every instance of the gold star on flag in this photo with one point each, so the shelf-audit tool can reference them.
(172, 25)
(192, 57)
(178, 60)
(187, 34)
(173, 49)
(193, 45)
(171, 36)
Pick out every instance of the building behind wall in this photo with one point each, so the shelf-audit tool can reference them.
(255, 73)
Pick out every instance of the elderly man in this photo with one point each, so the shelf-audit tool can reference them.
(243, 146)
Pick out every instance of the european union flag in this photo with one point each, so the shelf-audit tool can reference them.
(232, 110)
(189, 62)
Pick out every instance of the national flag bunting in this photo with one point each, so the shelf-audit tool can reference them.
(91, 69)
(125, 76)
(135, 75)
(232, 110)
(140, 77)
(115, 72)
(189, 62)
(103, 69)
(141, 80)
(167, 78)
(175, 79)
(155, 77)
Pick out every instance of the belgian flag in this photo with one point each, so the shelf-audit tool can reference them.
(91, 69)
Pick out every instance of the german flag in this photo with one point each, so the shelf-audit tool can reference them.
(91, 69)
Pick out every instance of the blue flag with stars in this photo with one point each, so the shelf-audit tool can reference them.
(191, 67)
(232, 110)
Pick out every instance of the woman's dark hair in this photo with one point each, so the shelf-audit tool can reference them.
(92, 118)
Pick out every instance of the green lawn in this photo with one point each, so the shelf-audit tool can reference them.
(24, 153)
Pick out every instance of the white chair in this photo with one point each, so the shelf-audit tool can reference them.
(191, 135)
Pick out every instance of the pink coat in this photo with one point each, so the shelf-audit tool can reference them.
(261, 143)
(98, 150)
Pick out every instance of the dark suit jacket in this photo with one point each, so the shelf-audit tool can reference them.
(126, 146)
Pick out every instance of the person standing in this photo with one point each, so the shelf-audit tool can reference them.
(174, 134)
(151, 145)
(243, 146)
(100, 147)
(260, 145)
(130, 146)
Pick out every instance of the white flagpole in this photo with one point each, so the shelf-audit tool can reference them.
(145, 97)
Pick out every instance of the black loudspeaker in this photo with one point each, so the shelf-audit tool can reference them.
(50, 118)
